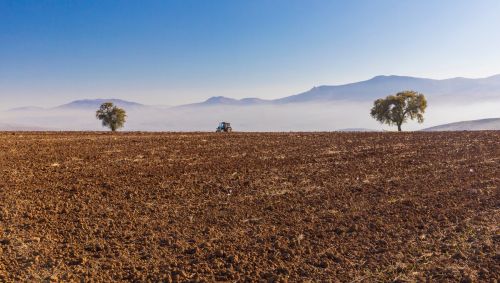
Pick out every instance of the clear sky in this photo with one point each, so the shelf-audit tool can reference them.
(173, 52)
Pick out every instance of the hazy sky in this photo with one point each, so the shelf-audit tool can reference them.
(172, 52)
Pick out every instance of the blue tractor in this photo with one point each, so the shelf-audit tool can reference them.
(224, 127)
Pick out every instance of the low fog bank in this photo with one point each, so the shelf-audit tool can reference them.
(289, 117)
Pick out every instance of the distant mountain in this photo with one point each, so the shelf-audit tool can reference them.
(95, 103)
(222, 100)
(26, 108)
(474, 125)
(382, 86)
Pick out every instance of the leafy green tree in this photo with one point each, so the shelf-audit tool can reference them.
(111, 116)
(397, 109)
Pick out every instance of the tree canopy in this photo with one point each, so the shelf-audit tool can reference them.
(397, 109)
(111, 116)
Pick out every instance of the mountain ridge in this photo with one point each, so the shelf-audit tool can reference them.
(376, 87)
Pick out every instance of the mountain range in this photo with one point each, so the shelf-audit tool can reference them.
(368, 90)
(380, 86)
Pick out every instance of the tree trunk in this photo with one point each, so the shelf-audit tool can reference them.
(399, 127)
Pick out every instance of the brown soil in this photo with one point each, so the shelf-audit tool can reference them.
(247, 207)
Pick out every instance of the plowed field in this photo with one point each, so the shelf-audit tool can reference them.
(341, 207)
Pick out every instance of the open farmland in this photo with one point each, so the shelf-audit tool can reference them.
(208, 207)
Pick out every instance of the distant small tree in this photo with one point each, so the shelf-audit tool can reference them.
(111, 116)
(397, 109)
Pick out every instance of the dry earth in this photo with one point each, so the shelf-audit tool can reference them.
(341, 207)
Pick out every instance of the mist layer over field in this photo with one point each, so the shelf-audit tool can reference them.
(327, 116)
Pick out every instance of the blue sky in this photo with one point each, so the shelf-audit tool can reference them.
(172, 52)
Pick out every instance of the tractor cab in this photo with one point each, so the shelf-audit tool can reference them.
(224, 127)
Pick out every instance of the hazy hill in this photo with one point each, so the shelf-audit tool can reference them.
(82, 104)
(474, 125)
(27, 108)
(222, 100)
(95, 103)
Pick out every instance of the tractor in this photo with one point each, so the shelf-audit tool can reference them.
(224, 127)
